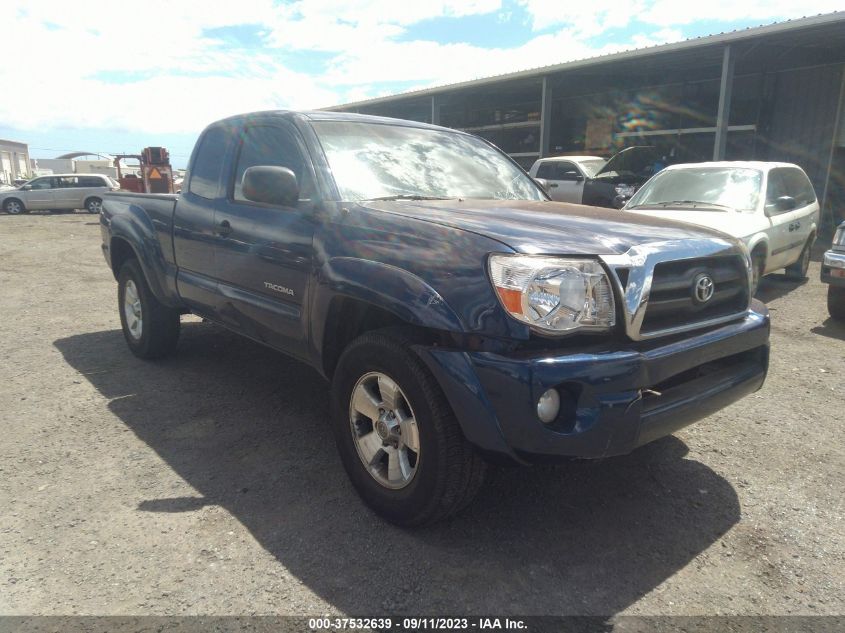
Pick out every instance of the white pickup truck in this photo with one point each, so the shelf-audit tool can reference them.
(770, 206)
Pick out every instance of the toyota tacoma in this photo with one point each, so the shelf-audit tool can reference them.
(460, 316)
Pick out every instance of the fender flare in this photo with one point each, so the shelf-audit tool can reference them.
(393, 289)
(136, 229)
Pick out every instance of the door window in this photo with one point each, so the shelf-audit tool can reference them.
(208, 164)
(798, 186)
(42, 183)
(568, 171)
(775, 188)
(558, 170)
(272, 146)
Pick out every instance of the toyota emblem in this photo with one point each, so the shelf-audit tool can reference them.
(702, 288)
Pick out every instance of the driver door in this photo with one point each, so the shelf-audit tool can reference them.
(263, 253)
(41, 193)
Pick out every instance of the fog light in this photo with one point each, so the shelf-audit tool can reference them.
(548, 406)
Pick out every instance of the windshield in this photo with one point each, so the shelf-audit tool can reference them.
(734, 187)
(592, 167)
(372, 160)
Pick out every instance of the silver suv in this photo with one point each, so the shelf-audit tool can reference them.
(58, 192)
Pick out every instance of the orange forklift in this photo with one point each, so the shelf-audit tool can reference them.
(156, 175)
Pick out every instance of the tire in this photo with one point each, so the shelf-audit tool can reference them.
(93, 205)
(445, 470)
(13, 206)
(836, 302)
(798, 270)
(150, 328)
(758, 261)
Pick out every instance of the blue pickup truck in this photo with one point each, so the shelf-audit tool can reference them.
(460, 316)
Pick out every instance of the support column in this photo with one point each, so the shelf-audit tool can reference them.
(723, 113)
(435, 110)
(545, 117)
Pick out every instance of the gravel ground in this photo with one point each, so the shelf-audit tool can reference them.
(209, 484)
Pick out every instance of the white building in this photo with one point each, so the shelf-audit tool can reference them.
(14, 161)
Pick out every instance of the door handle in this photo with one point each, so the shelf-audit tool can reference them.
(552, 185)
(223, 228)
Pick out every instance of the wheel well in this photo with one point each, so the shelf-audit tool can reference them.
(120, 251)
(760, 248)
(18, 200)
(347, 320)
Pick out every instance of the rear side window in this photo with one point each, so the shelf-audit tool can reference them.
(273, 146)
(546, 170)
(66, 182)
(208, 163)
(91, 181)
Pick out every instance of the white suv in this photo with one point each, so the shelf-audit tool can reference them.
(58, 192)
(770, 206)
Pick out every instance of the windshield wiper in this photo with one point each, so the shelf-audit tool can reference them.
(693, 202)
(406, 196)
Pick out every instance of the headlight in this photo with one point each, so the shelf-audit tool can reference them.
(624, 190)
(554, 295)
(839, 236)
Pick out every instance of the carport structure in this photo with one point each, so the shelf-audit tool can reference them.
(772, 92)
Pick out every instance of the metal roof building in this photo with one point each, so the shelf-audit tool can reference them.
(772, 92)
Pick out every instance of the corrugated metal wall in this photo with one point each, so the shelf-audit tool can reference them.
(803, 107)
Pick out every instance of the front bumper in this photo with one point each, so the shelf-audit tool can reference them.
(833, 268)
(614, 400)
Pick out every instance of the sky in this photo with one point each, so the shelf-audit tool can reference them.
(108, 76)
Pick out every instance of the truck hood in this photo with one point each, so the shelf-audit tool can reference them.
(631, 161)
(539, 227)
(733, 223)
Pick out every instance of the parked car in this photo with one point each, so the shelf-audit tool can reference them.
(59, 192)
(833, 274)
(458, 313)
(772, 207)
(565, 175)
(594, 181)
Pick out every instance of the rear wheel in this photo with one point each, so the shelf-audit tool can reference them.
(93, 205)
(836, 302)
(13, 206)
(397, 435)
(150, 328)
(798, 270)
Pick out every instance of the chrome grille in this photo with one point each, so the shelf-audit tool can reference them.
(672, 298)
(656, 281)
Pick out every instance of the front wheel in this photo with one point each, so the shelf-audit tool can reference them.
(13, 207)
(93, 205)
(836, 302)
(150, 328)
(758, 263)
(799, 269)
(397, 435)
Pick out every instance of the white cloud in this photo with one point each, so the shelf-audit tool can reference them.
(154, 66)
(584, 18)
(673, 13)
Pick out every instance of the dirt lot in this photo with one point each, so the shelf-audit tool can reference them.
(208, 484)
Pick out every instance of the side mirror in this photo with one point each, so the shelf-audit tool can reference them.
(271, 185)
(26, 187)
(786, 203)
(579, 178)
(543, 183)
